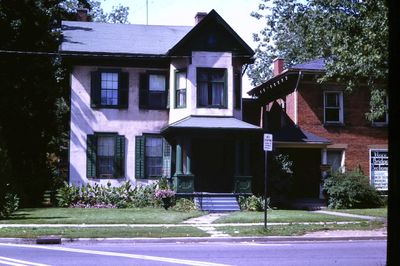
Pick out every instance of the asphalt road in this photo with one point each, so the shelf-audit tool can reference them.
(349, 253)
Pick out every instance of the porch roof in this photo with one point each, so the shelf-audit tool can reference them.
(294, 135)
(211, 122)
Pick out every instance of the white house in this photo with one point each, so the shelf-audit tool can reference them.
(153, 101)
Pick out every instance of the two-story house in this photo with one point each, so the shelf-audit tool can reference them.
(152, 101)
(321, 127)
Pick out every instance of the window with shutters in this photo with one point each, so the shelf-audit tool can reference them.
(152, 156)
(333, 107)
(153, 90)
(105, 155)
(109, 89)
(211, 87)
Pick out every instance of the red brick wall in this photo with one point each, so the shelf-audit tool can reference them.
(357, 133)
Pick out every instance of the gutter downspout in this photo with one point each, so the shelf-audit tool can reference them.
(295, 99)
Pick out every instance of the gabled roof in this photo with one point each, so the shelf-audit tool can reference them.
(145, 40)
(216, 20)
(101, 38)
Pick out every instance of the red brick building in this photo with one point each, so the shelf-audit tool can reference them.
(321, 127)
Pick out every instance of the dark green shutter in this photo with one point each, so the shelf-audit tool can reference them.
(91, 153)
(139, 157)
(119, 159)
(166, 159)
(143, 90)
(95, 88)
(123, 95)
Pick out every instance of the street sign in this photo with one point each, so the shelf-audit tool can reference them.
(267, 142)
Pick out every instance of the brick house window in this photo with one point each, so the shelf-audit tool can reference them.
(335, 158)
(384, 119)
(333, 107)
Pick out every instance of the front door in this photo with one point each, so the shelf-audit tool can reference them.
(213, 165)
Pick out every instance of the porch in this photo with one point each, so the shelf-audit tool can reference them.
(212, 154)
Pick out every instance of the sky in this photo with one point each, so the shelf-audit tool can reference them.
(181, 12)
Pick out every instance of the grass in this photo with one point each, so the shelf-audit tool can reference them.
(295, 229)
(99, 216)
(376, 212)
(281, 216)
(103, 232)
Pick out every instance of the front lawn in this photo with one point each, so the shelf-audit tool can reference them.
(295, 229)
(99, 216)
(103, 232)
(281, 216)
(376, 212)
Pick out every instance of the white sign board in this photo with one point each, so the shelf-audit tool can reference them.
(267, 142)
(379, 163)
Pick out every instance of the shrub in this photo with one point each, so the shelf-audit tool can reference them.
(184, 205)
(8, 204)
(351, 190)
(98, 196)
(252, 203)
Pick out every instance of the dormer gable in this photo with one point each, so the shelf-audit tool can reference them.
(213, 34)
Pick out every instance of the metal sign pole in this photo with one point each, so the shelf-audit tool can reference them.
(267, 147)
(265, 191)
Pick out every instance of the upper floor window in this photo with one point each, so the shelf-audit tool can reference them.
(153, 90)
(333, 107)
(105, 155)
(109, 89)
(180, 89)
(237, 84)
(382, 120)
(211, 87)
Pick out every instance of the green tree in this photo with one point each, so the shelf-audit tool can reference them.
(351, 35)
(34, 94)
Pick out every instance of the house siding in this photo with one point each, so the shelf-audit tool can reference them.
(357, 134)
(128, 122)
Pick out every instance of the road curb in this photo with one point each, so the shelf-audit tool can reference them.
(195, 239)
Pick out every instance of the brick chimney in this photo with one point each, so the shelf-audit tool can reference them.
(277, 66)
(82, 14)
(199, 16)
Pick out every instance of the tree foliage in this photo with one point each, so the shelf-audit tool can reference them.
(34, 93)
(351, 35)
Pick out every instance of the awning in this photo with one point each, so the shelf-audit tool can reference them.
(292, 136)
(210, 123)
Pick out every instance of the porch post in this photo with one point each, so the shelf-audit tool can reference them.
(183, 183)
(188, 157)
(178, 170)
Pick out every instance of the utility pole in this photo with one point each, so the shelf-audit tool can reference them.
(147, 12)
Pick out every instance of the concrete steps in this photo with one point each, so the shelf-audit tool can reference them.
(217, 203)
